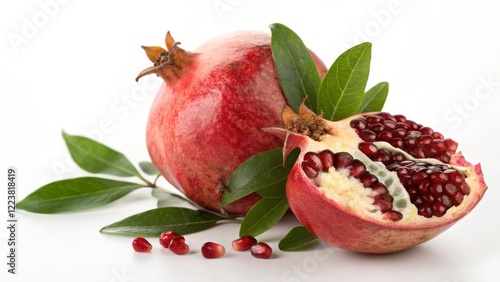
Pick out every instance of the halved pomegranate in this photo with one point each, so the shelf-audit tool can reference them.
(376, 182)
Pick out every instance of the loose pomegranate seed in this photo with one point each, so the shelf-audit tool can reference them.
(166, 237)
(140, 244)
(211, 250)
(178, 246)
(261, 250)
(244, 243)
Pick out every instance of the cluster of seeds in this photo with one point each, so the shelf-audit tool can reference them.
(314, 163)
(433, 189)
(177, 244)
(409, 136)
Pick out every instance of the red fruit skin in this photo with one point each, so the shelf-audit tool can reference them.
(346, 229)
(208, 121)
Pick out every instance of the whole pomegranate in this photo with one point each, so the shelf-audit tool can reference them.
(376, 182)
(208, 115)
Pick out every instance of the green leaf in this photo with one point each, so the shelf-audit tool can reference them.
(374, 99)
(343, 86)
(263, 215)
(299, 238)
(75, 194)
(295, 67)
(263, 172)
(95, 157)
(154, 222)
(167, 199)
(148, 168)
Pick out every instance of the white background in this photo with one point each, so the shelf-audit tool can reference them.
(71, 65)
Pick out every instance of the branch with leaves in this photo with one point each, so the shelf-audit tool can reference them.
(341, 93)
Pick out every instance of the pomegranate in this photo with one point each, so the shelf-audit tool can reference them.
(207, 116)
(376, 182)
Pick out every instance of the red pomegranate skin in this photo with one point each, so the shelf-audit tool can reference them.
(209, 120)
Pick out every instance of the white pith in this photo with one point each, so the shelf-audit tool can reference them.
(349, 192)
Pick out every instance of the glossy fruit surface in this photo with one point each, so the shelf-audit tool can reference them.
(207, 117)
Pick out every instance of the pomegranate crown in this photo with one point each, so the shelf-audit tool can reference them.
(170, 63)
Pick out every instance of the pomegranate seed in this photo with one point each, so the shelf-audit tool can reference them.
(439, 177)
(383, 201)
(438, 209)
(450, 189)
(425, 140)
(166, 237)
(309, 170)
(424, 186)
(417, 177)
(141, 245)
(178, 246)
(445, 157)
(426, 130)
(357, 168)
(342, 160)
(326, 157)
(389, 124)
(393, 215)
(436, 189)
(451, 145)
(425, 211)
(455, 176)
(428, 198)
(383, 156)
(414, 133)
(377, 128)
(417, 152)
(386, 116)
(384, 136)
(369, 149)
(410, 142)
(244, 243)
(367, 135)
(313, 160)
(399, 118)
(457, 199)
(397, 157)
(463, 188)
(358, 124)
(368, 179)
(439, 145)
(402, 125)
(447, 202)
(399, 133)
(378, 188)
(261, 250)
(397, 142)
(211, 250)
